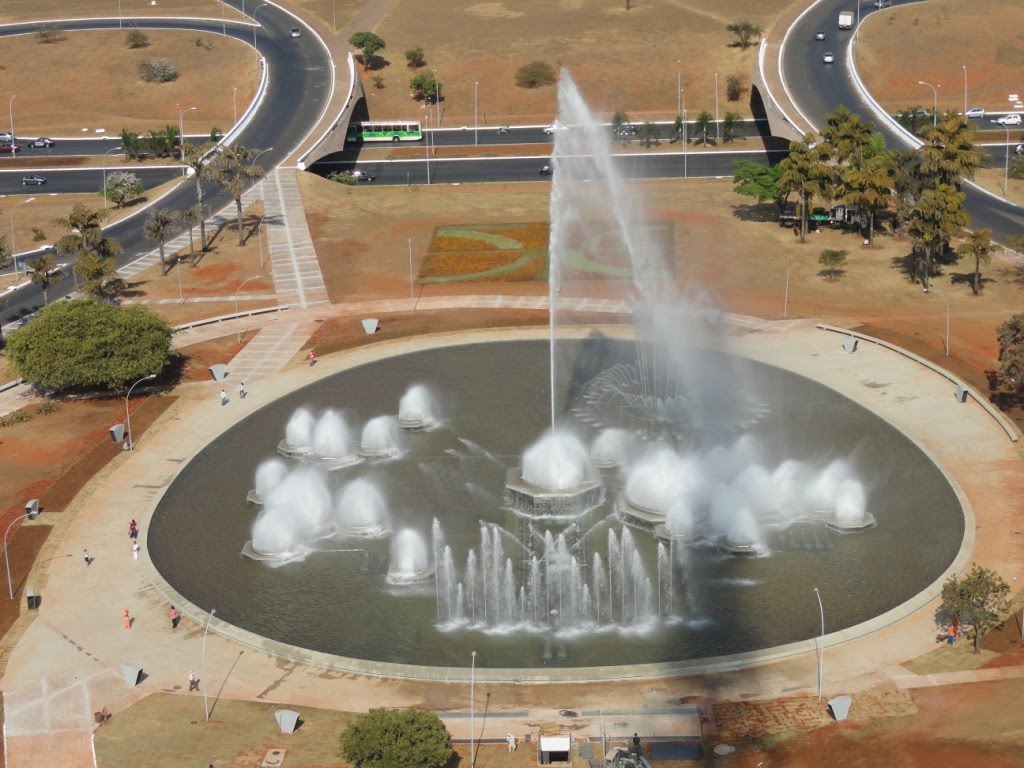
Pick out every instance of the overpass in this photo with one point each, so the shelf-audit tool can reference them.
(333, 139)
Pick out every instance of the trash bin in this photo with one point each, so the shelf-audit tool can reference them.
(32, 598)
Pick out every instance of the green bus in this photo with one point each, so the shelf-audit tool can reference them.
(383, 130)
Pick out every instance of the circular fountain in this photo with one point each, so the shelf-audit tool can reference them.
(298, 434)
(380, 438)
(269, 475)
(612, 448)
(332, 443)
(417, 409)
(556, 480)
(296, 513)
(410, 562)
(361, 510)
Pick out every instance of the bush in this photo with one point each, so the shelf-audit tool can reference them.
(733, 88)
(342, 177)
(391, 738)
(415, 57)
(158, 70)
(38, 235)
(535, 74)
(136, 38)
(122, 186)
(378, 82)
(46, 407)
(49, 34)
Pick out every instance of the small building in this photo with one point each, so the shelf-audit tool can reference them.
(554, 750)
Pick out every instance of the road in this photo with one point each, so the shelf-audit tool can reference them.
(296, 94)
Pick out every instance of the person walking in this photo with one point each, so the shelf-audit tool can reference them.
(135, 550)
(223, 397)
(241, 390)
(133, 529)
(87, 557)
(311, 358)
(175, 618)
(193, 684)
(127, 619)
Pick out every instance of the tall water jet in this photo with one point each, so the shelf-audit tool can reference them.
(417, 408)
(269, 474)
(851, 508)
(612, 448)
(332, 442)
(557, 478)
(298, 434)
(380, 438)
(409, 560)
(361, 511)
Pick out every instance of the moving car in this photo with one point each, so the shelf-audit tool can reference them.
(41, 142)
(1011, 119)
(1019, 149)
(555, 126)
(363, 176)
(883, 3)
(545, 170)
(6, 137)
(627, 130)
(9, 147)
(296, 32)
(828, 58)
(975, 112)
(32, 178)
(819, 35)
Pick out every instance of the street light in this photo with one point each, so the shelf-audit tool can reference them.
(718, 136)
(112, 149)
(234, 103)
(472, 708)
(14, 251)
(10, 112)
(181, 132)
(426, 146)
(33, 514)
(120, 18)
(821, 650)
(476, 123)
(935, 102)
(785, 297)
(238, 321)
(682, 96)
(679, 91)
(254, 25)
(1006, 171)
(334, 15)
(206, 706)
(964, 66)
(127, 413)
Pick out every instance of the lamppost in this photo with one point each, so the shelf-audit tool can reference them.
(821, 648)
(426, 146)
(254, 25)
(120, 18)
(718, 136)
(785, 296)
(238, 320)
(964, 66)
(682, 95)
(412, 290)
(234, 103)
(14, 251)
(10, 112)
(472, 708)
(679, 92)
(334, 15)
(181, 132)
(206, 631)
(1006, 171)
(935, 102)
(32, 515)
(112, 149)
(476, 124)
(128, 414)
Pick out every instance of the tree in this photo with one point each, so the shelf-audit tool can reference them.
(199, 161)
(131, 143)
(49, 34)
(733, 87)
(136, 38)
(760, 181)
(122, 186)
(649, 134)
(235, 173)
(914, 119)
(845, 134)
(730, 123)
(949, 153)
(390, 738)
(976, 600)
(938, 217)
(160, 227)
(367, 43)
(44, 272)
(188, 218)
(619, 119)
(89, 343)
(869, 184)
(702, 125)
(425, 86)
(1011, 352)
(806, 172)
(415, 57)
(535, 74)
(84, 240)
(744, 31)
(977, 246)
(678, 131)
(158, 70)
(832, 260)
(99, 276)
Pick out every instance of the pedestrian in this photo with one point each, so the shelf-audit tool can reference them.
(193, 684)
(223, 397)
(86, 557)
(127, 619)
(950, 635)
(636, 745)
(241, 390)
(133, 529)
(511, 741)
(175, 618)
(311, 358)
(135, 550)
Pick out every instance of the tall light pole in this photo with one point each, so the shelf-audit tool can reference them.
(964, 66)
(821, 648)
(412, 290)
(128, 414)
(14, 251)
(254, 25)
(476, 123)
(10, 112)
(206, 631)
(718, 136)
(426, 146)
(682, 95)
(935, 102)
(120, 18)
(334, 15)
(33, 515)
(437, 97)
(785, 296)
(181, 132)
(234, 103)
(238, 320)
(472, 707)
(679, 91)
(1006, 167)
(112, 149)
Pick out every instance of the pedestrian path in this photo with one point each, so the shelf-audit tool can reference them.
(270, 350)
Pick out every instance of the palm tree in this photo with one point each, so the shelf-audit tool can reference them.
(949, 153)
(938, 216)
(160, 227)
(978, 246)
(869, 184)
(99, 276)
(95, 252)
(730, 123)
(187, 218)
(650, 134)
(44, 273)
(678, 132)
(235, 173)
(702, 125)
(198, 159)
(845, 134)
(806, 172)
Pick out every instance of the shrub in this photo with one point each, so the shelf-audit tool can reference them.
(200, 42)
(415, 57)
(38, 234)
(158, 70)
(733, 87)
(378, 82)
(122, 186)
(342, 177)
(136, 38)
(46, 407)
(535, 74)
(50, 34)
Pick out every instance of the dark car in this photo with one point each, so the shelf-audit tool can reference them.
(546, 170)
(41, 143)
(363, 176)
(32, 178)
(9, 147)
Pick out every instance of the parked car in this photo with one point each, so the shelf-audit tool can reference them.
(545, 170)
(32, 178)
(1019, 149)
(828, 58)
(363, 176)
(627, 131)
(296, 32)
(819, 35)
(975, 112)
(41, 142)
(9, 147)
(1011, 119)
(6, 137)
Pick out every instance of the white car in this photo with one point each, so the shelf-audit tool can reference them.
(819, 35)
(1019, 149)
(296, 32)
(1011, 119)
(828, 58)
(975, 112)
(6, 138)
(555, 126)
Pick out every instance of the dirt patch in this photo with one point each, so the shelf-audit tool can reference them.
(198, 358)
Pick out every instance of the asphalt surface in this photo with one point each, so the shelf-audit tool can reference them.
(818, 89)
(298, 87)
